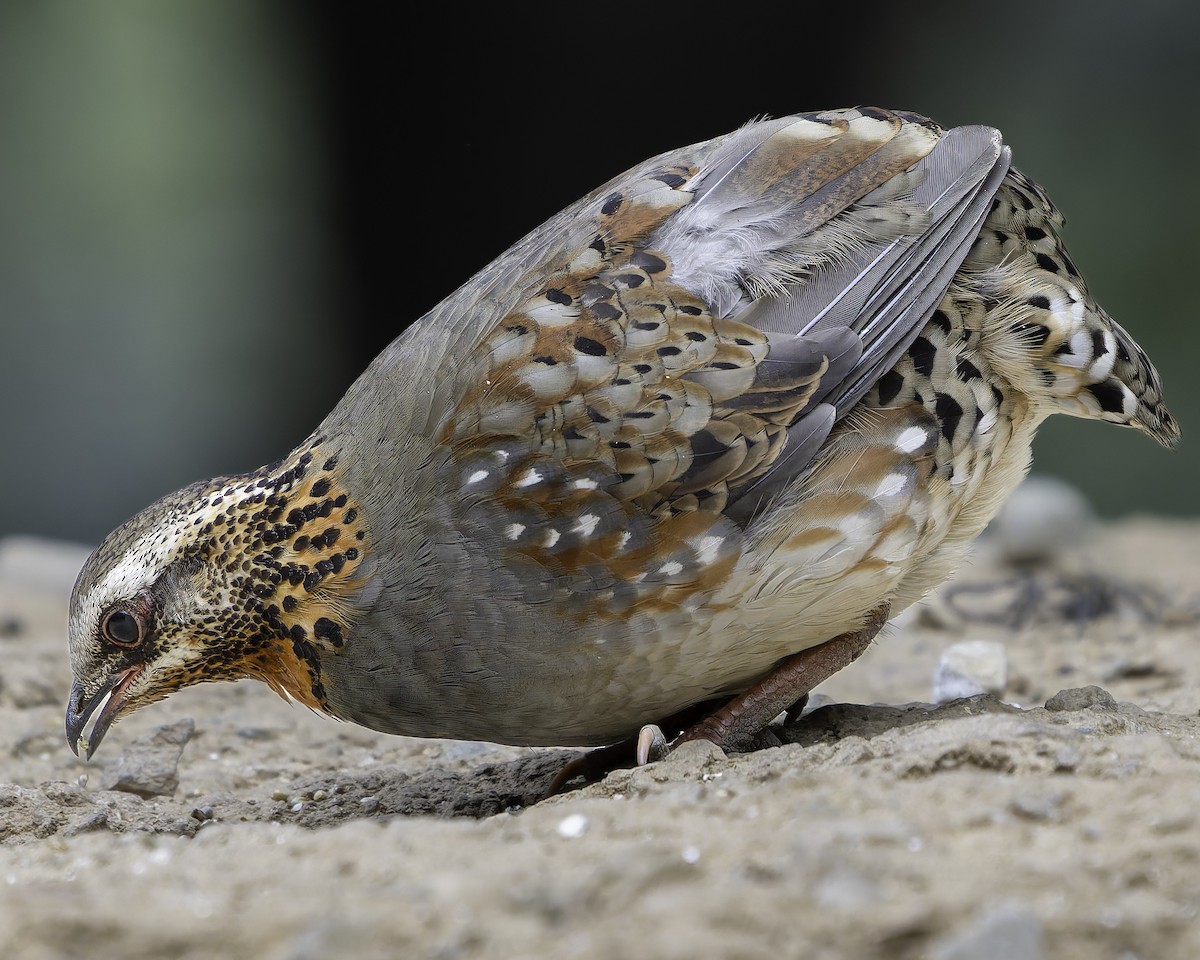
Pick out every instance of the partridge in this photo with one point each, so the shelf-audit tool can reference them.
(655, 472)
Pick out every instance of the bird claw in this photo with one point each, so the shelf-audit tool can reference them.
(652, 744)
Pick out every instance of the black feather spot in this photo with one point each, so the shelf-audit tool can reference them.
(649, 262)
(949, 412)
(966, 370)
(612, 203)
(923, 353)
(1047, 262)
(593, 348)
(1042, 303)
(1034, 334)
(1110, 395)
(889, 385)
(328, 630)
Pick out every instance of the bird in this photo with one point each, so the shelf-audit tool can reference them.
(653, 474)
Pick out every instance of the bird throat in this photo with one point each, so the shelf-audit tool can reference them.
(291, 541)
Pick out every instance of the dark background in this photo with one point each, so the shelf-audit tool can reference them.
(214, 214)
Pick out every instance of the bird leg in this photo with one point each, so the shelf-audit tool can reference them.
(734, 722)
(596, 764)
(785, 687)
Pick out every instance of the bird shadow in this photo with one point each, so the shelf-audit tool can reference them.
(507, 786)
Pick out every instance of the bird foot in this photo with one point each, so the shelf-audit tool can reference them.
(652, 744)
(738, 721)
(784, 690)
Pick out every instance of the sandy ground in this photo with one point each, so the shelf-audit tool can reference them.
(980, 828)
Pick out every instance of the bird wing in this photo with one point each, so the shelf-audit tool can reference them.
(633, 382)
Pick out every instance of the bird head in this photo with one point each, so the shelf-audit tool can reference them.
(249, 576)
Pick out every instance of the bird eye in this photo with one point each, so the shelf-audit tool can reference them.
(122, 628)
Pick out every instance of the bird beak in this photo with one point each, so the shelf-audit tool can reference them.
(108, 700)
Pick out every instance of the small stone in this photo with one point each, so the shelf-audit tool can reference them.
(1041, 517)
(149, 767)
(572, 826)
(256, 733)
(1038, 806)
(1004, 932)
(92, 820)
(970, 668)
(1080, 698)
(279, 795)
(202, 813)
(319, 795)
(1067, 759)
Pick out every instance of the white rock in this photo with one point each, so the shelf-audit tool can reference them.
(1043, 515)
(1010, 930)
(970, 668)
(573, 825)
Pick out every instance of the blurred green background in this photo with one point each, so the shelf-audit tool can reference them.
(213, 213)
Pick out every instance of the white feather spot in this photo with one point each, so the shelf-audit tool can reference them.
(671, 568)
(1104, 362)
(911, 439)
(890, 486)
(1077, 308)
(515, 530)
(623, 539)
(709, 547)
(585, 483)
(587, 524)
(1081, 346)
(529, 479)
(552, 537)
(477, 476)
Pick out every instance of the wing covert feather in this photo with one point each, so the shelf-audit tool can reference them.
(642, 374)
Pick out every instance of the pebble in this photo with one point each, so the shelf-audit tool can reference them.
(573, 825)
(1041, 517)
(149, 767)
(1007, 931)
(970, 668)
(1080, 698)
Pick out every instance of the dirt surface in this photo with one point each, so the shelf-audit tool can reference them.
(225, 823)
